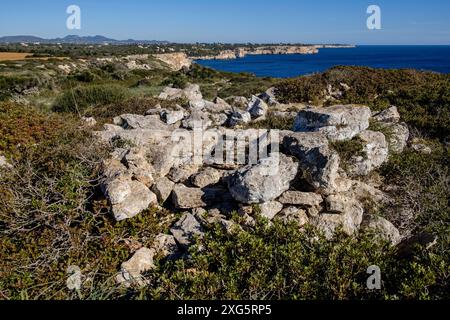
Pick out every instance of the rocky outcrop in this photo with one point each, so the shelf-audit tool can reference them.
(176, 61)
(244, 51)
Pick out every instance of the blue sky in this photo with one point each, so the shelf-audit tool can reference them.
(313, 21)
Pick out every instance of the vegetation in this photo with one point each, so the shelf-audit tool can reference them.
(283, 262)
(80, 98)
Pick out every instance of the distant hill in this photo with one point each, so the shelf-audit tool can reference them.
(74, 39)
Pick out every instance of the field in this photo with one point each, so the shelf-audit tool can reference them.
(13, 56)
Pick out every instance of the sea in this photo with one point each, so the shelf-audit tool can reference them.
(428, 58)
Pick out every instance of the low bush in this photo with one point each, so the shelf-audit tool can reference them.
(283, 262)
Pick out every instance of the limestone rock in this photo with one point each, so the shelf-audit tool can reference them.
(136, 197)
(349, 221)
(397, 136)
(183, 173)
(375, 153)
(131, 270)
(336, 203)
(237, 102)
(239, 118)
(188, 198)
(197, 119)
(186, 229)
(172, 117)
(304, 199)
(389, 115)
(293, 215)
(421, 148)
(89, 121)
(339, 122)
(382, 227)
(163, 188)
(191, 93)
(270, 209)
(269, 97)
(257, 108)
(165, 245)
(264, 181)
(318, 162)
(208, 176)
(134, 121)
(138, 165)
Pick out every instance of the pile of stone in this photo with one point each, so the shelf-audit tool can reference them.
(170, 158)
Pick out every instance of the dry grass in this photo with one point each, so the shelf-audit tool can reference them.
(13, 56)
(16, 56)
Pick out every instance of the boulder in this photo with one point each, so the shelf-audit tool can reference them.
(293, 215)
(303, 199)
(138, 166)
(237, 102)
(127, 197)
(163, 188)
(339, 122)
(382, 227)
(197, 119)
(206, 177)
(349, 221)
(89, 121)
(191, 93)
(263, 182)
(132, 270)
(397, 135)
(218, 119)
(389, 115)
(270, 209)
(188, 198)
(186, 229)
(134, 197)
(257, 108)
(319, 164)
(172, 117)
(183, 173)
(269, 97)
(375, 153)
(336, 203)
(239, 118)
(421, 148)
(165, 245)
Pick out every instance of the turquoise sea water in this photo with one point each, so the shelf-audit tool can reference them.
(431, 58)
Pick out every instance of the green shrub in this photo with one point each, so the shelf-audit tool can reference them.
(348, 149)
(81, 98)
(83, 76)
(283, 262)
